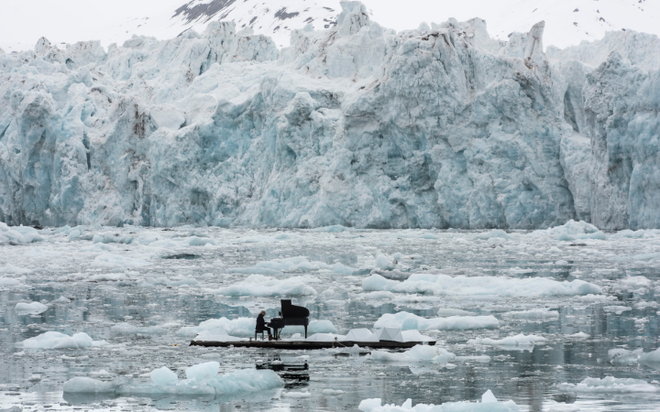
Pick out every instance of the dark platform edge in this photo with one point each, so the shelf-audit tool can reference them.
(307, 345)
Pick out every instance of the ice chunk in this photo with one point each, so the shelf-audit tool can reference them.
(409, 321)
(315, 326)
(519, 341)
(573, 230)
(203, 371)
(610, 384)
(413, 335)
(164, 376)
(417, 354)
(447, 312)
(88, 385)
(618, 309)
(621, 356)
(8, 282)
(57, 340)
(18, 235)
(579, 336)
(488, 397)
(488, 404)
(293, 264)
(384, 262)
(651, 356)
(343, 269)
(480, 285)
(33, 308)
(204, 381)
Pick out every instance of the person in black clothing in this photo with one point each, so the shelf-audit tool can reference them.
(262, 325)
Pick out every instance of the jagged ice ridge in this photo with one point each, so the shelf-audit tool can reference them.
(356, 126)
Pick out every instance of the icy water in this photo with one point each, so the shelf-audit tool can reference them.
(136, 288)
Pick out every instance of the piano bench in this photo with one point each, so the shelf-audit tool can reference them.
(256, 332)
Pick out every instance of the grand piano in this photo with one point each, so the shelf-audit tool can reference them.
(290, 315)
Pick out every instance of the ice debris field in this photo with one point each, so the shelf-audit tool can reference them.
(100, 318)
(357, 125)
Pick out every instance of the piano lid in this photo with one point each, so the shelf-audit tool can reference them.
(293, 311)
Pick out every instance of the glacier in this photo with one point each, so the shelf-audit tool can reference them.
(358, 126)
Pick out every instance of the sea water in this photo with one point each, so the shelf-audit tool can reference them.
(137, 292)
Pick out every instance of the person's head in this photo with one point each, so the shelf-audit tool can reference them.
(263, 312)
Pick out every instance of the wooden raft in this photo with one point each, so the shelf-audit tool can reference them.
(306, 345)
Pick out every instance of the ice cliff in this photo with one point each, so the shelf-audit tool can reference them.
(357, 126)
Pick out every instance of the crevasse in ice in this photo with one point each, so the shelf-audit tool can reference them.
(355, 126)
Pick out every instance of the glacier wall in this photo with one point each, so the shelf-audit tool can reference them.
(358, 126)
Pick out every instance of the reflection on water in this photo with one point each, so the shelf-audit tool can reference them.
(176, 290)
(295, 375)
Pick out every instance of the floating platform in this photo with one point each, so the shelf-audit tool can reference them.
(308, 345)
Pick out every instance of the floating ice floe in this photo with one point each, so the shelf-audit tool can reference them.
(488, 404)
(572, 230)
(343, 269)
(418, 353)
(408, 321)
(493, 234)
(9, 283)
(578, 336)
(277, 266)
(202, 379)
(18, 235)
(448, 312)
(480, 285)
(617, 309)
(57, 340)
(620, 356)
(650, 357)
(534, 315)
(643, 304)
(32, 308)
(258, 285)
(610, 384)
(514, 342)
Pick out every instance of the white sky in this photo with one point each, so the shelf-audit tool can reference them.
(23, 22)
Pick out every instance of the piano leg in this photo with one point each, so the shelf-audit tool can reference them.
(305, 331)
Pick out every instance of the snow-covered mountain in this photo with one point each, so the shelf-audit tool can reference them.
(567, 21)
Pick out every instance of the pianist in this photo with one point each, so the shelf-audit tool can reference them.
(262, 325)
